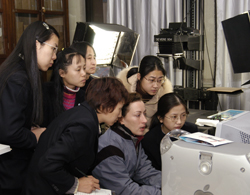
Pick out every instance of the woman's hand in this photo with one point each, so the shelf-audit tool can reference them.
(88, 184)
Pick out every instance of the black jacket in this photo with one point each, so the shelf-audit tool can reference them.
(69, 143)
(48, 102)
(15, 129)
(152, 140)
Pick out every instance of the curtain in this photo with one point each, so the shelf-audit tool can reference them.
(147, 18)
(225, 76)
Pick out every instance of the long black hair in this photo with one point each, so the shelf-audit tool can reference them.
(165, 104)
(63, 60)
(25, 50)
(81, 47)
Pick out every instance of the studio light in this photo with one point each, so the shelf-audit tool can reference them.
(114, 45)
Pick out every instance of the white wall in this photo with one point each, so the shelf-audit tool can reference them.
(77, 13)
(209, 43)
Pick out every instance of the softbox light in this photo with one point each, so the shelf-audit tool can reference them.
(114, 44)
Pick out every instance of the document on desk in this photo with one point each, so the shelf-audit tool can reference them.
(204, 139)
(97, 192)
(4, 148)
(227, 114)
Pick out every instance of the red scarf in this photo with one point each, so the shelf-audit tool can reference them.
(139, 138)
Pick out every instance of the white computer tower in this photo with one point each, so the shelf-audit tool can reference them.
(193, 169)
(236, 128)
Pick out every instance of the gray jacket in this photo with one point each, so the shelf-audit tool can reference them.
(122, 167)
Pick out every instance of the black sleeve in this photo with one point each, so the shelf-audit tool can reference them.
(73, 145)
(48, 105)
(15, 123)
(190, 127)
(151, 146)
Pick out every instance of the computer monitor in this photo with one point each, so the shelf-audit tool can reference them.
(237, 35)
(236, 128)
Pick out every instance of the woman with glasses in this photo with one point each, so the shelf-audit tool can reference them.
(171, 114)
(64, 90)
(149, 80)
(122, 165)
(21, 101)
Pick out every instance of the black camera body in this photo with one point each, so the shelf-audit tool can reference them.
(178, 38)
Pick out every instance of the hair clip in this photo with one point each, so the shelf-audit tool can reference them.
(21, 56)
(46, 25)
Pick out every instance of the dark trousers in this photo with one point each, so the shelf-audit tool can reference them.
(10, 192)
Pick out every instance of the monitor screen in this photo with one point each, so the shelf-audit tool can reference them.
(237, 35)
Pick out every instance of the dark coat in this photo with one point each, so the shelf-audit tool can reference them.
(69, 143)
(48, 102)
(152, 140)
(15, 129)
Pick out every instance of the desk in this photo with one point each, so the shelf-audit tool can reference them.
(203, 114)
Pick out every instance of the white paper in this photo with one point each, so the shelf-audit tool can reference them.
(97, 192)
(204, 139)
(4, 148)
(207, 122)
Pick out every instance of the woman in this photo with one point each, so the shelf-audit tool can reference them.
(171, 114)
(66, 150)
(87, 50)
(21, 101)
(122, 165)
(64, 90)
(150, 81)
